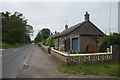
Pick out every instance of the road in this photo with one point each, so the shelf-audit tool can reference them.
(13, 59)
(40, 65)
(31, 61)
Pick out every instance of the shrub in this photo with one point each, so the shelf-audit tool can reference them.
(50, 42)
(109, 40)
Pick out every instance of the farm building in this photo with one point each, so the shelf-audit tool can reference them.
(78, 37)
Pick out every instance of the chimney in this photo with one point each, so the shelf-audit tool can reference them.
(66, 26)
(86, 16)
(55, 32)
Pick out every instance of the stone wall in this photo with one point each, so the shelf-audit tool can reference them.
(116, 52)
(66, 59)
(96, 58)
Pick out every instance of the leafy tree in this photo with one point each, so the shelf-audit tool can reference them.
(42, 35)
(110, 40)
(15, 28)
(45, 32)
(39, 38)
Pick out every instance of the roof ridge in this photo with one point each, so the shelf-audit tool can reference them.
(69, 30)
(78, 23)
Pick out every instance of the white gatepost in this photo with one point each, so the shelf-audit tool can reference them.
(108, 50)
(111, 49)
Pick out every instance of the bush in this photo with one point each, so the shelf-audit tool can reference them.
(50, 42)
(109, 40)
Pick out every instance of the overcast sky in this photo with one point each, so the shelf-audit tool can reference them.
(54, 15)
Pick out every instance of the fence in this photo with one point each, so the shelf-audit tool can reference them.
(64, 58)
(93, 48)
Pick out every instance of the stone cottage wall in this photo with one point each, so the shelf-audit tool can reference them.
(56, 43)
(86, 36)
(60, 44)
(85, 41)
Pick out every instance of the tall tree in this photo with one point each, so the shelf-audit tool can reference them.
(15, 28)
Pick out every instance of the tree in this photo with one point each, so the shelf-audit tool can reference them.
(45, 32)
(39, 38)
(15, 28)
(109, 40)
(42, 35)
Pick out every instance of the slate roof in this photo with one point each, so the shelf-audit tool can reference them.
(69, 30)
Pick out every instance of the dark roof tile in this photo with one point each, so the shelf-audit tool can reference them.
(69, 30)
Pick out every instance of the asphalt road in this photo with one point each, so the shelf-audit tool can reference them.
(40, 65)
(13, 59)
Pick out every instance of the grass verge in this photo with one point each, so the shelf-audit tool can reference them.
(104, 69)
(4, 45)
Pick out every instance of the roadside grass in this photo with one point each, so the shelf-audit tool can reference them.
(4, 45)
(103, 69)
(0, 45)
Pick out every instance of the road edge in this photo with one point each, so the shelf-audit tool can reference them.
(24, 62)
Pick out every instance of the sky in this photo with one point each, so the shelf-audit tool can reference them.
(119, 17)
(54, 15)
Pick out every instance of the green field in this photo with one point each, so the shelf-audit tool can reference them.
(104, 69)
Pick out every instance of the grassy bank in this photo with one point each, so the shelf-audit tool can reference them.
(104, 69)
(4, 45)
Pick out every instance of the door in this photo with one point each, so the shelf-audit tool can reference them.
(75, 44)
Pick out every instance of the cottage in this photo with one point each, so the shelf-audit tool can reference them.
(79, 36)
